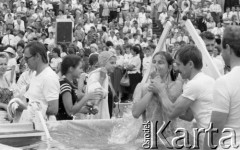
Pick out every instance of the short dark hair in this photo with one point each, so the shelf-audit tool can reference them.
(231, 37)
(21, 44)
(109, 43)
(38, 48)
(207, 35)
(136, 49)
(56, 50)
(190, 53)
(69, 61)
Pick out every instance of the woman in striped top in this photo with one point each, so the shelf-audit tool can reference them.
(70, 102)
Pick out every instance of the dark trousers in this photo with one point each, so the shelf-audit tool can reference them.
(112, 16)
(216, 17)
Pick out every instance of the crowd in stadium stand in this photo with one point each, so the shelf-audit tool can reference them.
(126, 30)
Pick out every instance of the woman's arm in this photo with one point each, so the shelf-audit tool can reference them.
(140, 106)
(73, 109)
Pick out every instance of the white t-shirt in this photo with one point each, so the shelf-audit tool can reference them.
(136, 61)
(226, 96)
(44, 87)
(200, 91)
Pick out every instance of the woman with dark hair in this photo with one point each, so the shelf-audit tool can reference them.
(141, 55)
(146, 104)
(133, 70)
(69, 102)
(56, 60)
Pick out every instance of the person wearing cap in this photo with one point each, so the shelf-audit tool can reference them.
(8, 39)
(12, 65)
(107, 62)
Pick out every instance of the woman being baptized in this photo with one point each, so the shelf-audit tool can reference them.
(146, 103)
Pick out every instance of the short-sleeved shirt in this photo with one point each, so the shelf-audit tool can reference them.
(200, 91)
(44, 87)
(226, 96)
(66, 86)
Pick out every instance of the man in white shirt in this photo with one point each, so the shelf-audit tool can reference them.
(226, 94)
(216, 11)
(22, 9)
(209, 40)
(8, 39)
(227, 16)
(44, 86)
(196, 98)
(19, 24)
(46, 5)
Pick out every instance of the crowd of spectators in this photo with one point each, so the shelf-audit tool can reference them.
(124, 28)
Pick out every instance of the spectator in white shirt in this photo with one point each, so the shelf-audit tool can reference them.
(218, 30)
(118, 41)
(19, 24)
(8, 39)
(210, 24)
(227, 16)
(95, 6)
(147, 58)
(47, 5)
(22, 9)
(216, 11)
(112, 37)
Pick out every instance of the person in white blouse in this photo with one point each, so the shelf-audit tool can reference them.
(19, 24)
(22, 9)
(119, 40)
(238, 13)
(218, 30)
(210, 24)
(147, 58)
(95, 6)
(141, 17)
(8, 39)
(133, 69)
(227, 16)
(47, 5)
(216, 11)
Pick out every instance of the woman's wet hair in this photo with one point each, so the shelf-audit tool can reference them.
(170, 61)
(69, 61)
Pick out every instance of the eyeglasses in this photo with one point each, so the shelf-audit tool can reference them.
(27, 58)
